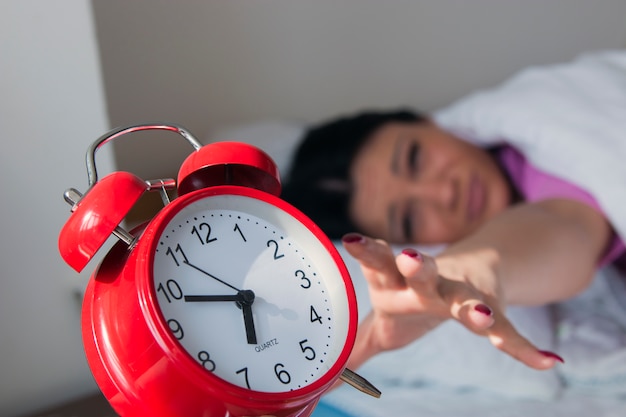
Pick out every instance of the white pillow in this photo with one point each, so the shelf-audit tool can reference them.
(453, 357)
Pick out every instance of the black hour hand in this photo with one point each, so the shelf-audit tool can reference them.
(205, 298)
(244, 300)
(248, 321)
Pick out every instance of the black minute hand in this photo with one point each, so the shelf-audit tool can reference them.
(210, 275)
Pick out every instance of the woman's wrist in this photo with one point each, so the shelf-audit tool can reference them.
(365, 346)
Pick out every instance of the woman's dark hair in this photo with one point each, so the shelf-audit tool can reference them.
(319, 182)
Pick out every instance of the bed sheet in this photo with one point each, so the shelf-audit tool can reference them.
(589, 331)
(439, 402)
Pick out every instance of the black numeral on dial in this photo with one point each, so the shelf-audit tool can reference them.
(238, 229)
(173, 253)
(282, 375)
(203, 231)
(244, 371)
(277, 255)
(206, 361)
(176, 329)
(315, 317)
(306, 281)
(170, 290)
(307, 350)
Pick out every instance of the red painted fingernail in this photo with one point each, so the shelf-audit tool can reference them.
(552, 355)
(482, 308)
(412, 253)
(353, 238)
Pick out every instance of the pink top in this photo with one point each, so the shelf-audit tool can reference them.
(536, 185)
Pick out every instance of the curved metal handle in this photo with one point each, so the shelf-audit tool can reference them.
(92, 174)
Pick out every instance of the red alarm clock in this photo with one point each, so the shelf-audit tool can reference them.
(229, 302)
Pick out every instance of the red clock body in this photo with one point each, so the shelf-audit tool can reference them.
(229, 302)
(132, 329)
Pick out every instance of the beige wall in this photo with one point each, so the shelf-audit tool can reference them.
(51, 108)
(209, 63)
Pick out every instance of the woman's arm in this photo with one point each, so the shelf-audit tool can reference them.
(531, 254)
(537, 253)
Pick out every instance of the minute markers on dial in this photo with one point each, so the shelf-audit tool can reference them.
(287, 278)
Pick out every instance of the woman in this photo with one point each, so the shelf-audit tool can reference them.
(515, 234)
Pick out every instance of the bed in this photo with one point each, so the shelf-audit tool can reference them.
(453, 373)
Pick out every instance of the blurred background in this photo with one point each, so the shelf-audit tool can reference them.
(73, 69)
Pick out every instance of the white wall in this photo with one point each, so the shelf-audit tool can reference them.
(51, 108)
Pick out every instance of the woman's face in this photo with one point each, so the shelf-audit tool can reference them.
(414, 182)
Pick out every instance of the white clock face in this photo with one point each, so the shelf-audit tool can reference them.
(250, 293)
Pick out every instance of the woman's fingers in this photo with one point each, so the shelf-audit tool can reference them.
(467, 306)
(420, 272)
(376, 259)
(410, 284)
(445, 297)
(504, 336)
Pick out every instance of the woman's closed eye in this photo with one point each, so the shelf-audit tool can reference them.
(407, 227)
(408, 221)
(413, 155)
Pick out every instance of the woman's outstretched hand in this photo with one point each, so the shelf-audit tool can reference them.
(412, 293)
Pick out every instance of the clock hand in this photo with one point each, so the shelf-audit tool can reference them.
(248, 321)
(244, 299)
(194, 298)
(247, 298)
(210, 275)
